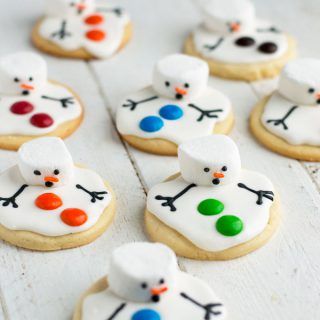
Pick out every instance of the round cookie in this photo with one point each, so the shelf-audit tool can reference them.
(30, 105)
(81, 30)
(287, 121)
(214, 210)
(179, 106)
(237, 45)
(48, 203)
(151, 288)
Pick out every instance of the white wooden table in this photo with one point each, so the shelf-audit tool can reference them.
(279, 281)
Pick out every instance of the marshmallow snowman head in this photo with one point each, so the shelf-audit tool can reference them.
(228, 16)
(45, 162)
(22, 73)
(142, 272)
(179, 76)
(69, 8)
(209, 161)
(300, 81)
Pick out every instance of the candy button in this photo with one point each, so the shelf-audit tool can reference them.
(268, 47)
(48, 201)
(229, 226)
(210, 207)
(21, 107)
(94, 19)
(96, 35)
(41, 120)
(171, 112)
(73, 217)
(245, 42)
(146, 314)
(151, 124)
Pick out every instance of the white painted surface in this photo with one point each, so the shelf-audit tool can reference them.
(279, 281)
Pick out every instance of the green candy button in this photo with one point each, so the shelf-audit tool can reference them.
(210, 207)
(229, 226)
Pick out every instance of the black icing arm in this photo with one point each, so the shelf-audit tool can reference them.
(117, 311)
(270, 29)
(117, 11)
(260, 193)
(212, 47)
(205, 113)
(12, 200)
(65, 102)
(169, 201)
(282, 121)
(62, 33)
(95, 195)
(210, 313)
(133, 104)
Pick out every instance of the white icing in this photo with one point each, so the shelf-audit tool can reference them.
(302, 124)
(215, 156)
(200, 229)
(13, 124)
(180, 74)
(45, 155)
(113, 25)
(297, 78)
(29, 217)
(140, 263)
(177, 131)
(228, 52)
(172, 306)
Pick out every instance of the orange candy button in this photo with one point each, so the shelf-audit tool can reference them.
(73, 217)
(48, 201)
(96, 35)
(94, 19)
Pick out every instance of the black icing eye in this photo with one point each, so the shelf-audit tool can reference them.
(206, 169)
(186, 85)
(37, 172)
(311, 90)
(161, 281)
(167, 83)
(56, 171)
(144, 285)
(30, 79)
(224, 168)
(16, 79)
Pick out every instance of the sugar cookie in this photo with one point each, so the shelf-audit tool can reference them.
(177, 107)
(214, 210)
(236, 44)
(144, 283)
(48, 203)
(287, 122)
(30, 105)
(81, 29)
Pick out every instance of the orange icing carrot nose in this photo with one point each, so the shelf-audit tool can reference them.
(180, 91)
(51, 179)
(159, 290)
(235, 26)
(218, 175)
(318, 95)
(26, 86)
(81, 6)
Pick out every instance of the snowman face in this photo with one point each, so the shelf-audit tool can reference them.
(22, 73)
(210, 161)
(180, 77)
(300, 81)
(69, 8)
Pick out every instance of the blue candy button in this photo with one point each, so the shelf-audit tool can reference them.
(171, 112)
(146, 314)
(151, 124)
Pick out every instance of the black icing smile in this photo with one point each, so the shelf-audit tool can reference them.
(179, 96)
(49, 184)
(155, 298)
(216, 181)
(318, 101)
(25, 92)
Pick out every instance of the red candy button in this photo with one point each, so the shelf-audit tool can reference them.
(48, 201)
(21, 107)
(94, 19)
(41, 120)
(73, 217)
(96, 35)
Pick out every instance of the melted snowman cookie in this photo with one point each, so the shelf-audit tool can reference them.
(236, 44)
(214, 210)
(30, 105)
(144, 282)
(45, 201)
(81, 29)
(288, 120)
(178, 107)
